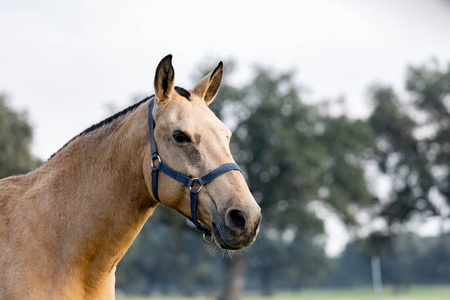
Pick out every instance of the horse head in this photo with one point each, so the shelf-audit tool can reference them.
(192, 142)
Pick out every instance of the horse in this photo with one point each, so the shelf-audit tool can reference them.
(65, 226)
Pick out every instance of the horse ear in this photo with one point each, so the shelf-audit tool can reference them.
(164, 80)
(208, 87)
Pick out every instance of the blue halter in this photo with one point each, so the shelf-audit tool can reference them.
(186, 180)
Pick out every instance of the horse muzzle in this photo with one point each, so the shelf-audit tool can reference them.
(236, 229)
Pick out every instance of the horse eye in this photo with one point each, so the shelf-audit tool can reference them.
(181, 137)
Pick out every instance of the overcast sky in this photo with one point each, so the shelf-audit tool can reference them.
(63, 61)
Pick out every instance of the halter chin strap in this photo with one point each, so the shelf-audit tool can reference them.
(186, 180)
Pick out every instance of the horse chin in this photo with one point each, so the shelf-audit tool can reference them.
(223, 243)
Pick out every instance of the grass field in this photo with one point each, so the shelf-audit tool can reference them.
(414, 293)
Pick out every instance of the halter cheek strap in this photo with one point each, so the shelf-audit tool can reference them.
(186, 180)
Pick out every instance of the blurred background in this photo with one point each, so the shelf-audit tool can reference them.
(340, 119)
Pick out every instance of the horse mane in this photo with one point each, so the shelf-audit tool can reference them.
(105, 122)
(181, 91)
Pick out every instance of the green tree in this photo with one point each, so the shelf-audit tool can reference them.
(294, 157)
(15, 140)
(401, 157)
(413, 152)
(279, 261)
(433, 266)
(429, 86)
(413, 144)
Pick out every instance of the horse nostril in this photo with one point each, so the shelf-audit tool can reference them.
(235, 220)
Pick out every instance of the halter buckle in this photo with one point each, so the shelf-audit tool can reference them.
(191, 186)
(156, 157)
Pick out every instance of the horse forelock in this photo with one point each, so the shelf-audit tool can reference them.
(183, 92)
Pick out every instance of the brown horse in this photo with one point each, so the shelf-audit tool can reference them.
(65, 226)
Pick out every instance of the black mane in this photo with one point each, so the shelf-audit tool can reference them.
(106, 121)
(183, 92)
(113, 117)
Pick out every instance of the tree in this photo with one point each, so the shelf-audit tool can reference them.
(15, 140)
(399, 155)
(294, 157)
(433, 265)
(413, 144)
(411, 259)
(429, 86)
(278, 261)
(413, 151)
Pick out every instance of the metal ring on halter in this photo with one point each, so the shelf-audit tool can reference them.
(206, 240)
(159, 160)
(193, 180)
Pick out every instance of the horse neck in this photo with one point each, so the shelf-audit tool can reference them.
(97, 190)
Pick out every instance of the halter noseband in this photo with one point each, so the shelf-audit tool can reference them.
(186, 180)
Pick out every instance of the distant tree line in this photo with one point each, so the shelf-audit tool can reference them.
(410, 259)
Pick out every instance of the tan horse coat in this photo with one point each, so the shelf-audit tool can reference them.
(65, 226)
